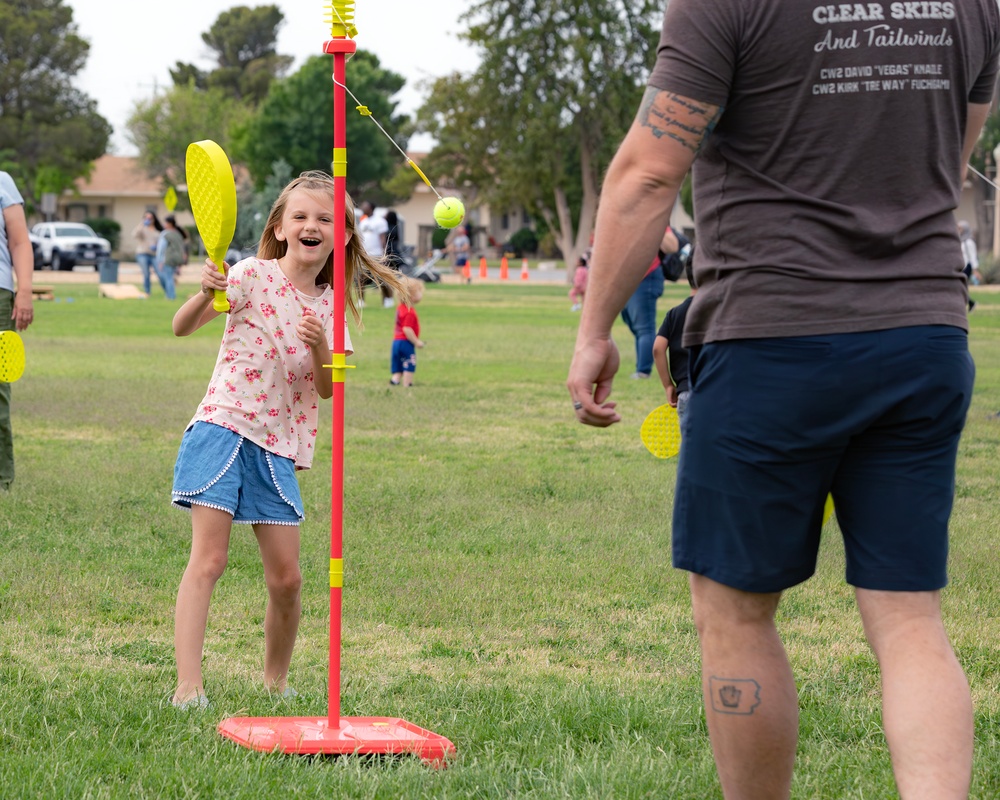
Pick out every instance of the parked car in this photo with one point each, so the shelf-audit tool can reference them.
(36, 249)
(63, 245)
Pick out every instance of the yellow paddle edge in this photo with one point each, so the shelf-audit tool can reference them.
(661, 434)
(212, 192)
(11, 357)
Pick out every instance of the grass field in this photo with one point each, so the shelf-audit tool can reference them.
(507, 577)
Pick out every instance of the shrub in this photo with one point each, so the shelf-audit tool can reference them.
(107, 228)
(989, 268)
(439, 238)
(523, 241)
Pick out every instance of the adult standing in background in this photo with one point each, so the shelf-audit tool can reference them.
(147, 234)
(170, 255)
(16, 308)
(971, 257)
(374, 231)
(828, 345)
(639, 313)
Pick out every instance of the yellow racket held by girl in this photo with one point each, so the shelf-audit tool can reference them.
(212, 192)
(11, 357)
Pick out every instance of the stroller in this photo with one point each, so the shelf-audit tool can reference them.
(425, 271)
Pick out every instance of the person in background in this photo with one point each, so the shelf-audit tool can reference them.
(147, 235)
(971, 256)
(670, 355)
(639, 313)
(406, 336)
(579, 289)
(170, 254)
(17, 311)
(827, 355)
(374, 232)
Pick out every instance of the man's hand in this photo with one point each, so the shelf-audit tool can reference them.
(595, 363)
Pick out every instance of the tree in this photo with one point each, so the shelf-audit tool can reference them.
(244, 41)
(162, 127)
(295, 123)
(47, 127)
(538, 122)
(982, 159)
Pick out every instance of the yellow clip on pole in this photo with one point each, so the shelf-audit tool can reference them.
(340, 162)
(338, 366)
(336, 573)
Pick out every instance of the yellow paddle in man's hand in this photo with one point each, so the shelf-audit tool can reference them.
(212, 191)
(11, 357)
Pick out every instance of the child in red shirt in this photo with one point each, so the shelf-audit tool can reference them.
(406, 336)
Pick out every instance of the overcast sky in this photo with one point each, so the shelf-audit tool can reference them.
(133, 45)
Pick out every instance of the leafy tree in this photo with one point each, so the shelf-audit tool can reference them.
(244, 41)
(163, 127)
(295, 123)
(538, 122)
(47, 127)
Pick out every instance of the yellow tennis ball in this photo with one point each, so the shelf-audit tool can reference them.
(449, 212)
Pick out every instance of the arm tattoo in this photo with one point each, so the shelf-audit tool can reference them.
(686, 121)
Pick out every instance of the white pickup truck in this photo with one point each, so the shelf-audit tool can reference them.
(63, 245)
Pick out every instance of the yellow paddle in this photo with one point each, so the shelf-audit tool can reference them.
(11, 357)
(661, 432)
(212, 191)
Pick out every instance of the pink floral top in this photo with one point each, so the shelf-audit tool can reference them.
(262, 387)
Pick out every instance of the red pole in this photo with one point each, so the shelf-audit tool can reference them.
(339, 48)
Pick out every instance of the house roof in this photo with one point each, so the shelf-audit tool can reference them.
(119, 176)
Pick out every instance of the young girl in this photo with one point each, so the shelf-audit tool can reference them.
(576, 294)
(257, 423)
(406, 335)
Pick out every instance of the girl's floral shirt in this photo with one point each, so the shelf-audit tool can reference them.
(262, 387)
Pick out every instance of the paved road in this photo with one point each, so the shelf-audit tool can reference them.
(129, 272)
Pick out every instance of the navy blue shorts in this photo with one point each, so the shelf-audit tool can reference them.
(404, 356)
(774, 425)
(217, 467)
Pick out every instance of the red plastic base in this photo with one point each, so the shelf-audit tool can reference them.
(354, 736)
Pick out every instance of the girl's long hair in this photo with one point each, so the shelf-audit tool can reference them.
(360, 267)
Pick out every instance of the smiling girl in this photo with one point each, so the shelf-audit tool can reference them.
(257, 423)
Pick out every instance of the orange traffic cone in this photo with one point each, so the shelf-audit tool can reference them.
(524, 269)
(467, 272)
(482, 267)
(503, 268)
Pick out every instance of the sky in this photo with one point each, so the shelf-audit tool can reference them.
(133, 46)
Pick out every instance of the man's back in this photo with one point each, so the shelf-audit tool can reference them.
(841, 138)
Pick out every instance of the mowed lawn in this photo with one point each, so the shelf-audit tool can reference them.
(507, 576)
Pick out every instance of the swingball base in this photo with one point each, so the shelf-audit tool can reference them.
(354, 736)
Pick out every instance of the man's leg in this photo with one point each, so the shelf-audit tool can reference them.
(750, 700)
(926, 705)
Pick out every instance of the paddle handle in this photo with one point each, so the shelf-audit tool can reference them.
(220, 303)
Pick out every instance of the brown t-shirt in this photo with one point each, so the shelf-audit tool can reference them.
(824, 196)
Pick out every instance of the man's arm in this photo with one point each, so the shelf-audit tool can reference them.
(639, 193)
(23, 259)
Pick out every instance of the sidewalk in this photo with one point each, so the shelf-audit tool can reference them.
(129, 272)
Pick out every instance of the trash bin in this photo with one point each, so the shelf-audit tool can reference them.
(108, 269)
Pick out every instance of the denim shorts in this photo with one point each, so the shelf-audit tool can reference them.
(774, 425)
(220, 469)
(404, 356)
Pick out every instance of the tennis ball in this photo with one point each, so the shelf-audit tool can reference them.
(449, 212)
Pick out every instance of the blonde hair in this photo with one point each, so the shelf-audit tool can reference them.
(357, 264)
(408, 287)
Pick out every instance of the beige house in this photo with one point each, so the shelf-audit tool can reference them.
(117, 189)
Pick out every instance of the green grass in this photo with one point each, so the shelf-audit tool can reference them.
(507, 576)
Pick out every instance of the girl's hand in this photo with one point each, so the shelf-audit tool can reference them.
(310, 329)
(211, 279)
